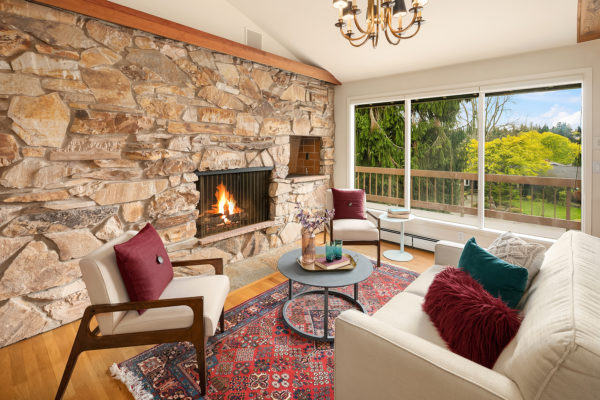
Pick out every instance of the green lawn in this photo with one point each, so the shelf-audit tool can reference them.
(561, 212)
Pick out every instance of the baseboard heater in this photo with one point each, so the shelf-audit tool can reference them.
(416, 241)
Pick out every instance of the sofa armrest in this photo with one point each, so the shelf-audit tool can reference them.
(448, 253)
(374, 360)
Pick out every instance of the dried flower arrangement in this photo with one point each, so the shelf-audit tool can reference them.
(312, 220)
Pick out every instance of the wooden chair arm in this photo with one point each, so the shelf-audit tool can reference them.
(217, 263)
(372, 214)
(192, 302)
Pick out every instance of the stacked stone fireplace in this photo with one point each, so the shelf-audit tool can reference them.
(102, 129)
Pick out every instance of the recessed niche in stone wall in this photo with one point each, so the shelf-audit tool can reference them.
(305, 155)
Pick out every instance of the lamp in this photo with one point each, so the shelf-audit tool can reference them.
(380, 15)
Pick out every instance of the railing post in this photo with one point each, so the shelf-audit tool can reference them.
(521, 198)
(568, 204)
(531, 203)
(462, 197)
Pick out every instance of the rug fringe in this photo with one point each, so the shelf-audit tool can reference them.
(132, 383)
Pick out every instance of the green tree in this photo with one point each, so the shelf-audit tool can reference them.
(512, 155)
(380, 136)
(438, 139)
(563, 151)
(528, 153)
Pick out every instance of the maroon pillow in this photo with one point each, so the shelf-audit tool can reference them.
(474, 324)
(144, 265)
(349, 204)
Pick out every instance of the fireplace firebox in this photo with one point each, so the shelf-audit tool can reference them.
(231, 199)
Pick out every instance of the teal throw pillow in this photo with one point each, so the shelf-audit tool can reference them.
(499, 278)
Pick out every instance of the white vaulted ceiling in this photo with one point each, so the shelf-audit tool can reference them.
(456, 31)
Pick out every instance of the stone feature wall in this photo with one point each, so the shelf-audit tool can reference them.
(101, 128)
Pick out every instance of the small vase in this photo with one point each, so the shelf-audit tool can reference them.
(308, 248)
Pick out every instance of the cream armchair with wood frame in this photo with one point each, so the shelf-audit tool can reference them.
(354, 231)
(189, 309)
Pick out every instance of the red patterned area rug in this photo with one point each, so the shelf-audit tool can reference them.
(258, 357)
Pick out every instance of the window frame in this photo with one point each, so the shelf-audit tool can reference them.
(581, 76)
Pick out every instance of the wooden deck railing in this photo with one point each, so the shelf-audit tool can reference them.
(508, 197)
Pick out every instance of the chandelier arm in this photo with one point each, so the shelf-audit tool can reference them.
(358, 26)
(350, 38)
(398, 32)
(414, 33)
(387, 36)
(366, 37)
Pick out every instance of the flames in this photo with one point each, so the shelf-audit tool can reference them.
(225, 205)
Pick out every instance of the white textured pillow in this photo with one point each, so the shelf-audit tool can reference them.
(517, 251)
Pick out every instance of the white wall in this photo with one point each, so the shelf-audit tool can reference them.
(216, 17)
(580, 56)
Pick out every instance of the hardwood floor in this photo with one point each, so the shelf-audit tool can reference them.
(32, 368)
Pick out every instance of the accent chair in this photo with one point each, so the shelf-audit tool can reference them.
(189, 309)
(354, 231)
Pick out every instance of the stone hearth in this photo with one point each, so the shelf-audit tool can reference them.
(101, 130)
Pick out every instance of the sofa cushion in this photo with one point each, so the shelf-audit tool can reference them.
(144, 265)
(420, 286)
(517, 251)
(404, 312)
(501, 279)
(349, 204)
(474, 324)
(556, 353)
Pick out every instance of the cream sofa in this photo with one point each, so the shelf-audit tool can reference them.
(398, 354)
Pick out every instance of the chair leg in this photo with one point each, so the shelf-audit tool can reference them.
(379, 253)
(201, 360)
(222, 320)
(78, 348)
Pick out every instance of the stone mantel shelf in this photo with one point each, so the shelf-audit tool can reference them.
(307, 178)
(235, 232)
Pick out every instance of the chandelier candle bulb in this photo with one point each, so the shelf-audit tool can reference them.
(340, 4)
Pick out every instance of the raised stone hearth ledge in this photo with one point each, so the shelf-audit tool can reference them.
(101, 130)
(235, 232)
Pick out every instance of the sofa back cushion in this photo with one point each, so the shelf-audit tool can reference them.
(556, 352)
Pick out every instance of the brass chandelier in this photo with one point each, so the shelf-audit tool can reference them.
(381, 15)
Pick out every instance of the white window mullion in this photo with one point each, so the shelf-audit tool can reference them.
(407, 148)
(481, 159)
(351, 145)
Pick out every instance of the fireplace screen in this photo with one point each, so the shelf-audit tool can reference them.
(231, 199)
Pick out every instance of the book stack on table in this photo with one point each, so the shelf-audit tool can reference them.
(334, 264)
(398, 212)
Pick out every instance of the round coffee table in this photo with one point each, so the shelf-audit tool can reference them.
(289, 267)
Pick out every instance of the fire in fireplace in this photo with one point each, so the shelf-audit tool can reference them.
(231, 199)
(225, 206)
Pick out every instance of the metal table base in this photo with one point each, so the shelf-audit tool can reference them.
(326, 293)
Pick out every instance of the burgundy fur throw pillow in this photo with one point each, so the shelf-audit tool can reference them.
(474, 324)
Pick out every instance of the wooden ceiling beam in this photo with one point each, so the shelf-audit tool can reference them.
(121, 15)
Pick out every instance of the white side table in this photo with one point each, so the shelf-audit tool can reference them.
(397, 255)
